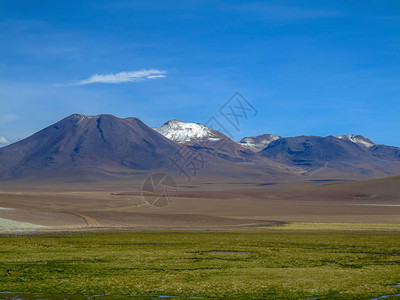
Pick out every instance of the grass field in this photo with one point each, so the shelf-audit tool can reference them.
(262, 263)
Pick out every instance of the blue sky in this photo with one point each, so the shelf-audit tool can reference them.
(309, 67)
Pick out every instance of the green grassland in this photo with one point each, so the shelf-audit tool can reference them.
(259, 263)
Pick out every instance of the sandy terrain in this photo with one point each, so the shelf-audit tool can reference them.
(206, 206)
(11, 225)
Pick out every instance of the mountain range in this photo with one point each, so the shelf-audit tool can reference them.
(104, 147)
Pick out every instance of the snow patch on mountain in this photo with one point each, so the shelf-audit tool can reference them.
(357, 139)
(182, 132)
(4, 141)
(259, 141)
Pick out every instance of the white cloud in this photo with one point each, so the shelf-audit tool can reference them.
(155, 76)
(131, 76)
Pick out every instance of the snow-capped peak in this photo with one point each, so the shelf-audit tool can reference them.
(4, 141)
(259, 141)
(357, 139)
(182, 132)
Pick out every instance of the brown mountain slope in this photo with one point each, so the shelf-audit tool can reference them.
(103, 142)
(100, 148)
(333, 157)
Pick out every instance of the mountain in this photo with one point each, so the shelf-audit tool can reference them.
(4, 141)
(259, 141)
(99, 148)
(105, 148)
(206, 140)
(186, 133)
(313, 150)
(385, 152)
(103, 143)
(357, 139)
(333, 156)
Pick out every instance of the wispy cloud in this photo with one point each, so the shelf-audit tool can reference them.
(121, 77)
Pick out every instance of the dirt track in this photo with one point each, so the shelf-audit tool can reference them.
(120, 207)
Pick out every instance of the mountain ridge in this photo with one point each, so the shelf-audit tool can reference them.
(104, 145)
(259, 142)
(79, 140)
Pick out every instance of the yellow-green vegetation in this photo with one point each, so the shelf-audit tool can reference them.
(260, 264)
(338, 226)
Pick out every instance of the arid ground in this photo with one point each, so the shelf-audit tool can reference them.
(266, 240)
(200, 205)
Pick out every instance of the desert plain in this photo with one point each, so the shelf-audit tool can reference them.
(305, 239)
(201, 204)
